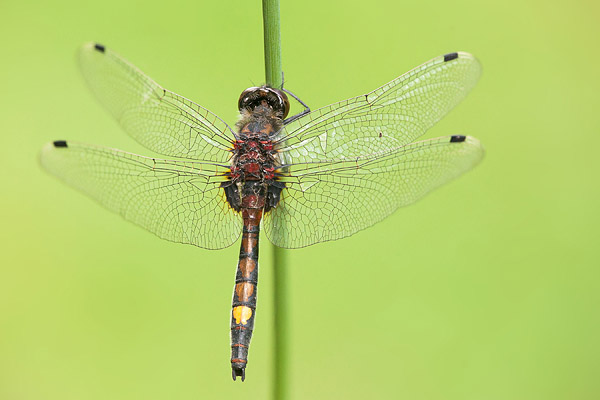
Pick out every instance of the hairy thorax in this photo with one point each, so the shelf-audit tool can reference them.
(253, 177)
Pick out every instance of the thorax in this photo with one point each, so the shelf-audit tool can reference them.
(254, 157)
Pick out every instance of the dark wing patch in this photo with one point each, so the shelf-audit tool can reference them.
(99, 47)
(457, 138)
(60, 143)
(450, 57)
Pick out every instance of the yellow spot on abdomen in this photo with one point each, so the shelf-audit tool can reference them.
(242, 314)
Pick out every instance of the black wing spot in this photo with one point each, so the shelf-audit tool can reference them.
(450, 57)
(457, 138)
(99, 47)
(60, 143)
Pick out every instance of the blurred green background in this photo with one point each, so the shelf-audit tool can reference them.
(486, 289)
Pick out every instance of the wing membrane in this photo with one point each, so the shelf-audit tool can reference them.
(178, 201)
(329, 200)
(391, 116)
(157, 118)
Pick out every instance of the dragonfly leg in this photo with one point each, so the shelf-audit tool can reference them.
(302, 113)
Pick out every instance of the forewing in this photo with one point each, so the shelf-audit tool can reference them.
(157, 118)
(178, 201)
(389, 117)
(329, 200)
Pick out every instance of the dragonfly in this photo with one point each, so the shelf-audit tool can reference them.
(314, 177)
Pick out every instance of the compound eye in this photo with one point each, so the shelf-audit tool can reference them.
(284, 103)
(245, 97)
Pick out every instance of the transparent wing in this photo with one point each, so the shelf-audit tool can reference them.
(176, 200)
(157, 118)
(393, 115)
(329, 200)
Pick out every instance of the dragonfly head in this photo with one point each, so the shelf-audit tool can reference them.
(267, 97)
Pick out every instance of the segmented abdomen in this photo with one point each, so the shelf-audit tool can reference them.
(246, 281)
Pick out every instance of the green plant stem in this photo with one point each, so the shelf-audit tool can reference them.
(272, 39)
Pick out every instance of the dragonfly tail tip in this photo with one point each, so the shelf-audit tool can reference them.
(235, 372)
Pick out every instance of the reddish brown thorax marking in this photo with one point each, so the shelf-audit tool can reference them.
(252, 168)
(267, 144)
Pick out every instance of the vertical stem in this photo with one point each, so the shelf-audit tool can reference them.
(280, 347)
(272, 38)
